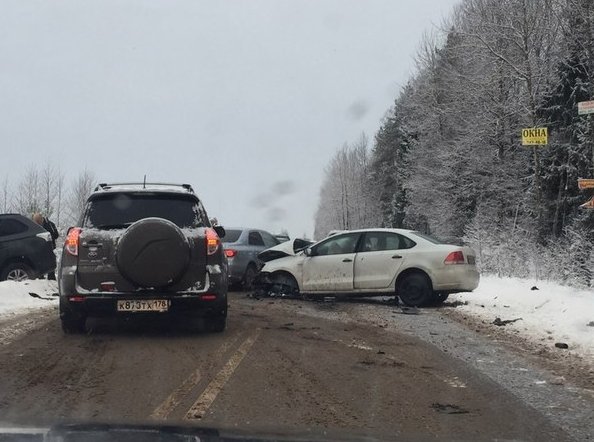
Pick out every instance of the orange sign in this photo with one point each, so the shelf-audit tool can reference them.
(584, 183)
(588, 205)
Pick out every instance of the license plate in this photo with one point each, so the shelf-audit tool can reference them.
(143, 305)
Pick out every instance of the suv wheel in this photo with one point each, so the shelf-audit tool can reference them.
(217, 324)
(17, 271)
(73, 326)
(71, 322)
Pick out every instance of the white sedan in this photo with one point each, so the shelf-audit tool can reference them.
(417, 268)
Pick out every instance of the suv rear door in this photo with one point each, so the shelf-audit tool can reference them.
(106, 219)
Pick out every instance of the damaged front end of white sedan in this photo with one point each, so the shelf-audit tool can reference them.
(276, 277)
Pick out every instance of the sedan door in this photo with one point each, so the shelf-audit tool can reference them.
(331, 263)
(380, 257)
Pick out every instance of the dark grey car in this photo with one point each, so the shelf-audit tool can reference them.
(26, 249)
(143, 249)
(242, 246)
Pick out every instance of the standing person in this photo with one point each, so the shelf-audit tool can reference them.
(53, 231)
(47, 225)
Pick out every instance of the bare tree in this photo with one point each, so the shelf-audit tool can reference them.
(5, 205)
(82, 186)
(47, 184)
(59, 196)
(346, 200)
(27, 199)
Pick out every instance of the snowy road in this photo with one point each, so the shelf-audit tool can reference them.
(290, 367)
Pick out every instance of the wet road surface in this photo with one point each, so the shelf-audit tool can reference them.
(281, 367)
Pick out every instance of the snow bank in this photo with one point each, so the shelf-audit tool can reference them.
(553, 313)
(20, 297)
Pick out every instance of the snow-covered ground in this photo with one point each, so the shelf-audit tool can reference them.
(553, 313)
(20, 297)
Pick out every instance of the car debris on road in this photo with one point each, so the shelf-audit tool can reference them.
(500, 323)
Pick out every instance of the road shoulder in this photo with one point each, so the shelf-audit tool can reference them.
(569, 405)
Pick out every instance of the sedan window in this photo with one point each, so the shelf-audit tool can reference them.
(338, 245)
(429, 238)
(232, 235)
(269, 240)
(380, 241)
(255, 239)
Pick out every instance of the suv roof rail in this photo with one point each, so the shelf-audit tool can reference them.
(106, 186)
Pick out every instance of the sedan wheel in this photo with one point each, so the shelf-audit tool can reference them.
(249, 277)
(415, 290)
(284, 285)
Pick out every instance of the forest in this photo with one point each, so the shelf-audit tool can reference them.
(448, 158)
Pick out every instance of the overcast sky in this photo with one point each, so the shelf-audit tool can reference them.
(245, 100)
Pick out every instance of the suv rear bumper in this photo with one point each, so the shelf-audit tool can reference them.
(105, 304)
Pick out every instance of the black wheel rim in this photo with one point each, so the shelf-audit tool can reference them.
(413, 292)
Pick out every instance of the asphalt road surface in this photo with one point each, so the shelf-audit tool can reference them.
(284, 367)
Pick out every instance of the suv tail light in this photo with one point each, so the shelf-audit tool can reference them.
(72, 240)
(455, 258)
(230, 253)
(213, 241)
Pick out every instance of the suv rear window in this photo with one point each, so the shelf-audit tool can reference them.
(10, 226)
(123, 209)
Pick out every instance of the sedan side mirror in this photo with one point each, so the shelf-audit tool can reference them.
(220, 231)
(308, 252)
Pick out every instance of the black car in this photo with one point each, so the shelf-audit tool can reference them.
(143, 249)
(26, 249)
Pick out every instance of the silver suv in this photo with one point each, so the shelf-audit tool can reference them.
(143, 249)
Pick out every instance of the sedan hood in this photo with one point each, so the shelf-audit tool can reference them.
(288, 248)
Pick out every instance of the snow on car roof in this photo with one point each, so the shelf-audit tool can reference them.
(373, 229)
(148, 187)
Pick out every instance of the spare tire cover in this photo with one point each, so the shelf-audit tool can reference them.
(153, 252)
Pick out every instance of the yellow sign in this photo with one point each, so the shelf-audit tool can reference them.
(588, 205)
(584, 184)
(535, 136)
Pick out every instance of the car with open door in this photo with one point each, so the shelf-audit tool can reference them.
(26, 249)
(418, 268)
(143, 249)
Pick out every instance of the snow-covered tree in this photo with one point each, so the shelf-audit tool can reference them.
(347, 196)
